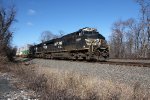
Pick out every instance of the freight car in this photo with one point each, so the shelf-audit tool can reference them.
(85, 43)
(23, 51)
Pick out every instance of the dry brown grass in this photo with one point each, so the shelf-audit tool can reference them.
(52, 84)
(70, 85)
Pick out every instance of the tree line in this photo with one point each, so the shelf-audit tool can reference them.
(131, 38)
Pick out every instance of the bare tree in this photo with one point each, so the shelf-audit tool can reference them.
(123, 39)
(117, 39)
(61, 33)
(131, 38)
(144, 27)
(7, 17)
(47, 35)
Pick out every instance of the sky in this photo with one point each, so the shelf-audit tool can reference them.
(35, 16)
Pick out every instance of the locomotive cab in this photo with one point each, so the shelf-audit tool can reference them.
(96, 43)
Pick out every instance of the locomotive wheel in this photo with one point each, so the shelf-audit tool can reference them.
(104, 53)
(97, 53)
(84, 58)
(74, 56)
(87, 58)
(46, 57)
(50, 56)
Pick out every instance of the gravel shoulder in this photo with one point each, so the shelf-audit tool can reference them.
(116, 73)
(11, 88)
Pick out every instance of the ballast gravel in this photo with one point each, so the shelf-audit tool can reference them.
(116, 73)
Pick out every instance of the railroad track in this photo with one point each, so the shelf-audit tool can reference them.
(125, 63)
(139, 64)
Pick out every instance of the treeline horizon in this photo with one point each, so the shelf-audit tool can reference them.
(131, 38)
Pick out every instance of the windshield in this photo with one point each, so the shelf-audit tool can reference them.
(88, 33)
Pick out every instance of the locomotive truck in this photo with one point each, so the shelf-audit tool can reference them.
(86, 43)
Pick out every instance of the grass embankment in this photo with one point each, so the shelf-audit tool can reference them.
(51, 84)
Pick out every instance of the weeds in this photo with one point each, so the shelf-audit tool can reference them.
(51, 84)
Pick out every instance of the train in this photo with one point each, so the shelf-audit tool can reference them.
(23, 51)
(84, 44)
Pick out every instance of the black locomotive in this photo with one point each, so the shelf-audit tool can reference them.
(85, 43)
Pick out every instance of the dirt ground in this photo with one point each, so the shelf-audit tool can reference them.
(11, 88)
